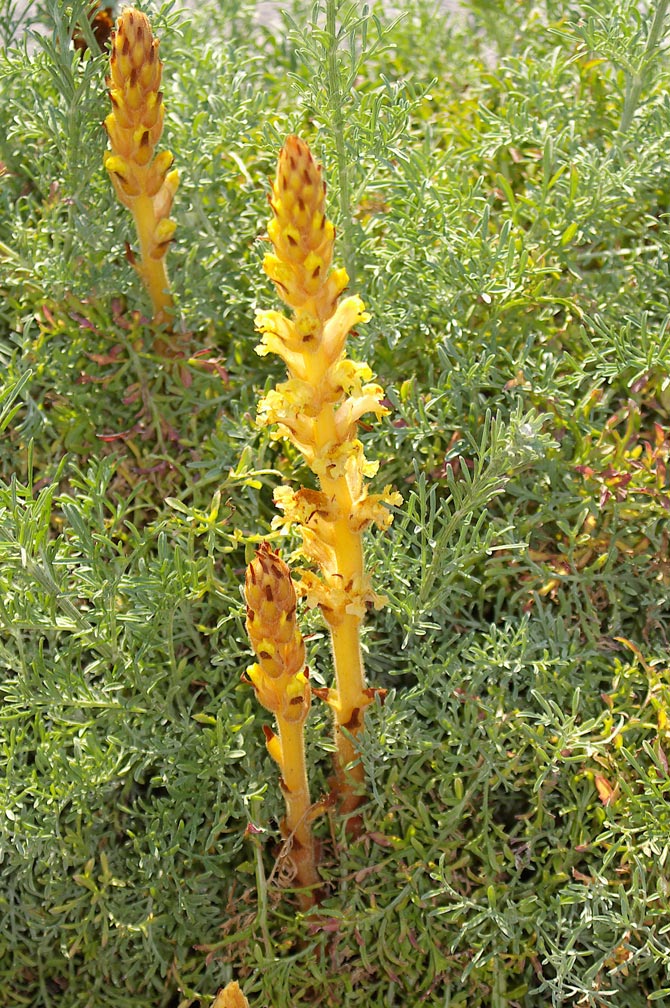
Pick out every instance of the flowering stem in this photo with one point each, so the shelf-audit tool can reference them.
(318, 408)
(144, 181)
(282, 687)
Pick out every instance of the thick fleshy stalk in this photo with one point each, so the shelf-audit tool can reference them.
(318, 409)
(280, 680)
(143, 183)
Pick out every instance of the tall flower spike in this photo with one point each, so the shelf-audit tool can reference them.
(143, 183)
(280, 680)
(318, 409)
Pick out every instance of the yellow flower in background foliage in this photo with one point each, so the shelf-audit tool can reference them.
(282, 687)
(318, 409)
(144, 183)
(230, 996)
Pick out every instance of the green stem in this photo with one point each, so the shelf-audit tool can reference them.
(337, 104)
(298, 805)
(635, 82)
(499, 997)
(262, 894)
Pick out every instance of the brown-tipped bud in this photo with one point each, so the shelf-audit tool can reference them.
(165, 195)
(273, 745)
(136, 121)
(302, 236)
(143, 149)
(153, 113)
(271, 614)
(158, 171)
(123, 119)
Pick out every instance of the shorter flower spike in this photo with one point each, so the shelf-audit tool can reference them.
(281, 682)
(143, 183)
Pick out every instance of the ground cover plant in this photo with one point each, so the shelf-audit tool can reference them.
(499, 187)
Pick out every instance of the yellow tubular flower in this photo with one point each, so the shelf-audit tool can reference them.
(282, 687)
(143, 183)
(318, 409)
(231, 996)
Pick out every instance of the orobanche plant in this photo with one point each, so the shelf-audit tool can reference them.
(144, 183)
(282, 686)
(318, 409)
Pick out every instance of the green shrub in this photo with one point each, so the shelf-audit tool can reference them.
(499, 181)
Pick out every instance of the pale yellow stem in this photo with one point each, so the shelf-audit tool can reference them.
(298, 808)
(350, 684)
(345, 634)
(153, 271)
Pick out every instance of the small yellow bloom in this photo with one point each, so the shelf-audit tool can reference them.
(231, 997)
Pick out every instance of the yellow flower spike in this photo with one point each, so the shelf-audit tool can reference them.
(282, 687)
(134, 127)
(319, 409)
